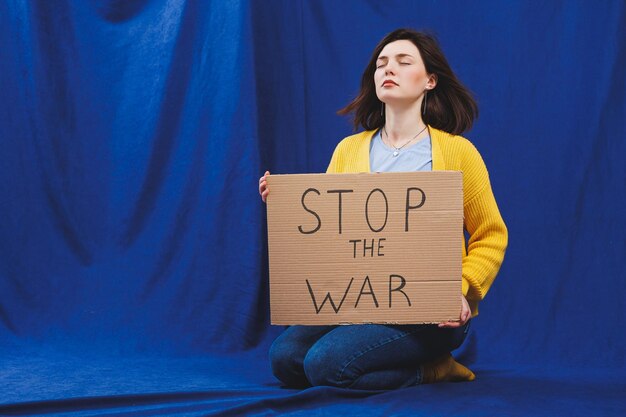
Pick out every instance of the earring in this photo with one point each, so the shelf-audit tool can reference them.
(424, 104)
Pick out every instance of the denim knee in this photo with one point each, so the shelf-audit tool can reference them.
(325, 367)
(285, 366)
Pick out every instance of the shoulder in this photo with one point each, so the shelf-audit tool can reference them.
(460, 154)
(455, 146)
(351, 154)
(457, 152)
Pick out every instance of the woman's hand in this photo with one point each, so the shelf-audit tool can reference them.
(466, 313)
(263, 190)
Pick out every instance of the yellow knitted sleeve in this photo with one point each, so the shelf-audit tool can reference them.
(488, 235)
(345, 158)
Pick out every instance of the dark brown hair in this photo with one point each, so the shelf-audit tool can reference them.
(449, 106)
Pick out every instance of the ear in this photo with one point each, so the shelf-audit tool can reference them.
(432, 81)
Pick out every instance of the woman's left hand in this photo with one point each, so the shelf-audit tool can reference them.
(466, 314)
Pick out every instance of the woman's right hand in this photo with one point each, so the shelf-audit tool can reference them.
(263, 189)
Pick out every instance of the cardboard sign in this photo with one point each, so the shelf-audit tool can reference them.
(365, 248)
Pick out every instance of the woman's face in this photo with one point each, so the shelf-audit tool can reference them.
(400, 75)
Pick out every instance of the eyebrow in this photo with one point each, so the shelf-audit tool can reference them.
(397, 56)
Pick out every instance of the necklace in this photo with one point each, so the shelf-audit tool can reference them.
(396, 152)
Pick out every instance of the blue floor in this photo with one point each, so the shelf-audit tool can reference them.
(83, 384)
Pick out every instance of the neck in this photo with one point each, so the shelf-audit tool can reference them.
(403, 123)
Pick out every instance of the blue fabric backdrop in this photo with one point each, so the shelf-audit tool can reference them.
(133, 267)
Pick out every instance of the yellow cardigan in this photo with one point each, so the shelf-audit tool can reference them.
(488, 235)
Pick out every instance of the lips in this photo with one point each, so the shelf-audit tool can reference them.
(389, 82)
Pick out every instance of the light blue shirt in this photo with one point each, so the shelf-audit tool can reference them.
(413, 157)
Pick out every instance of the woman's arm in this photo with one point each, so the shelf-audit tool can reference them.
(488, 240)
(488, 235)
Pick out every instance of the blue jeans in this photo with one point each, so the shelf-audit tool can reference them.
(368, 356)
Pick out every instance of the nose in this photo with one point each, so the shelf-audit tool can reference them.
(389, 69)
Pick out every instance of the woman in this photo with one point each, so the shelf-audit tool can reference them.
(413, 108)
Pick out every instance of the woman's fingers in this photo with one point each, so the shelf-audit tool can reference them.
(463, 317)
(450, 324)
(465, 311)
(263, 189)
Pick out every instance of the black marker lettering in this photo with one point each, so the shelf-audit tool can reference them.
(380, 246)
(319, 221)
(339, 192)
(328, 298)
(410, 207)
(354, 242)
(399, 288)
(365, 248)
(370, 292)
(367, 217)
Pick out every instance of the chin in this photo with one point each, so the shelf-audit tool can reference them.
(393, 99)
(387, 96)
